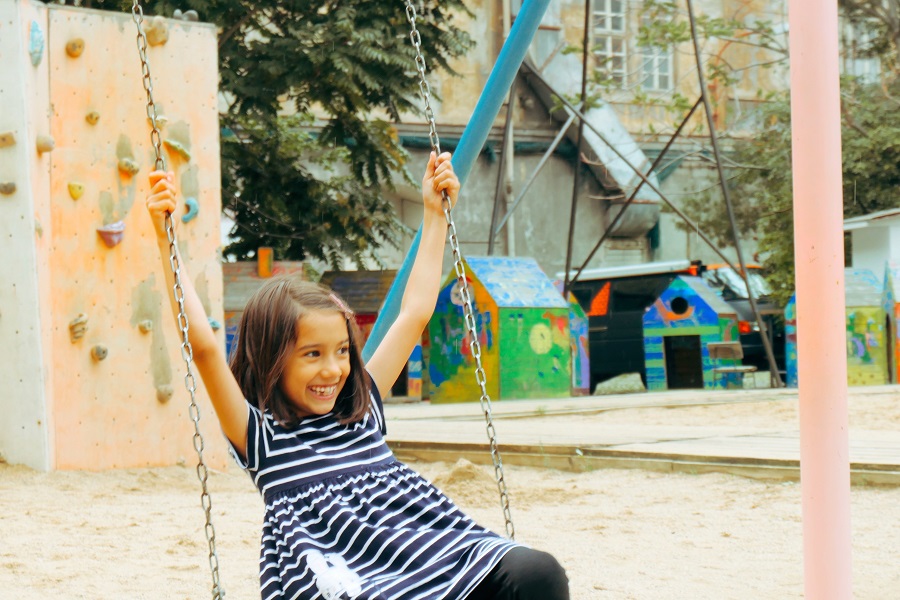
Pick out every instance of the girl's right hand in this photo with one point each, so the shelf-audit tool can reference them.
(161, 200)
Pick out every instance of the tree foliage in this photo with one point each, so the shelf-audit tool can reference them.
(310, 184)
(758, 164)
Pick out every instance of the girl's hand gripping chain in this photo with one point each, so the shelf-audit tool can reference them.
(439, 177)
(161, 200)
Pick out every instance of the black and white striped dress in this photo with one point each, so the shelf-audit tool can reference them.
(346, 520)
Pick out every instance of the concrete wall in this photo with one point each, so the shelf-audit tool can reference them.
(872, 247)
(24, 96)
(129, 409)
(540, 225)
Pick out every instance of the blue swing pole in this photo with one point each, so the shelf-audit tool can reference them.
(470, 144)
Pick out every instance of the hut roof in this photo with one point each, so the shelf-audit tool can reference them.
(364, 291)
(515, 282)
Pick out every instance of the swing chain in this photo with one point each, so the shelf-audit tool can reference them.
(459, 267)
(187, 352)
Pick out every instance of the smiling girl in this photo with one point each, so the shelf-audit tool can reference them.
(304, 417)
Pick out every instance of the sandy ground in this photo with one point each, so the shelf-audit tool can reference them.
(620, 534)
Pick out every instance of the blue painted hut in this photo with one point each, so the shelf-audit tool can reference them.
(678, 327)
(523, 328)
(790, 341)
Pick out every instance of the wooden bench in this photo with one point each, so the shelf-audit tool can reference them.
(721, 351)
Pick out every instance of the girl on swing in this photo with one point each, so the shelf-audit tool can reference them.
(304, 417)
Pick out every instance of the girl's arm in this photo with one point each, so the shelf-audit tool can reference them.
(224, 392)
(420, 296)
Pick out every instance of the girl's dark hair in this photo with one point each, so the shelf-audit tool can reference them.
(267, 336)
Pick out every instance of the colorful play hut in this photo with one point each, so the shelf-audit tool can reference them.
(579, 345)
(523, 328)
(867, 349)
(790, 341)
(891, 305)
(364, 292)
(678, 329)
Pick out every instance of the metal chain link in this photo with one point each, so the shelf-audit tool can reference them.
(187, 352)
(460, 270)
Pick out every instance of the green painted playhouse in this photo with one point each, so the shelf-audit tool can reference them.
(523, 329)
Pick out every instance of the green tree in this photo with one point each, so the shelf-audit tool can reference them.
(310, 185)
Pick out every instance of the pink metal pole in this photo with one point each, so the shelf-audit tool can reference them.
(819, 258)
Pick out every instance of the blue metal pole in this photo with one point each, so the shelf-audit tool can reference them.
(470, 144)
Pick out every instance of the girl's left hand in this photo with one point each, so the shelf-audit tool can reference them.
(439, 177)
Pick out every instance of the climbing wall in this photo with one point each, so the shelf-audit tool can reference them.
(104, 342)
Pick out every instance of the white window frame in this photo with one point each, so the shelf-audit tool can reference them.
(657, 73)
(610, 42)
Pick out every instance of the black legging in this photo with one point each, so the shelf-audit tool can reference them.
(524, 574)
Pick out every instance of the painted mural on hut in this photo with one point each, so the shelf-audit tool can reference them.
(686, 317)
(790, 341)
(523, 331)
(891, 307)
(867, 352)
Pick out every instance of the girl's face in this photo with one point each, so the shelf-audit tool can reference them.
(319, 367)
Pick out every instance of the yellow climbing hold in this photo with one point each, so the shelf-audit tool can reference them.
(76, 190)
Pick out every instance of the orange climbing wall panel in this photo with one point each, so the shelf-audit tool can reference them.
(115, 412)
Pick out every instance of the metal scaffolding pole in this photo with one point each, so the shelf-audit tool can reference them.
(527, 185)
(634, 192)
(576, 183)
(534, 73)
(713, 138)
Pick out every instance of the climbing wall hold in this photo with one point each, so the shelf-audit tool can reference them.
(128, 166)
(92, 117)
(146, 326)
(77, 327)
(45, 143)
(75, 47)
(193, 207)
(164, 393)
(178, 148)
(157, 31)
(214, 324)
(36, 43)
(99, 352)
(189, 15)
(76, 190)
(7, 188)
(161, 121)
(7, 139)
(112, 234)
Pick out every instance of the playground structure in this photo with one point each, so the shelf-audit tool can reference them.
(818, 258)
(94, 379)
(524, 332)
(680, 329)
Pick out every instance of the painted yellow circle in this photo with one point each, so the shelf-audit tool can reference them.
(539, 339)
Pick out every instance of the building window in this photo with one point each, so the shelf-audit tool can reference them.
(656, 69)
(857, 58)
(610, 49)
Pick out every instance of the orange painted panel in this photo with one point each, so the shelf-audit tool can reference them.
(117, 412)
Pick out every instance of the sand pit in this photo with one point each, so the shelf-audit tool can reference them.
(620, 534)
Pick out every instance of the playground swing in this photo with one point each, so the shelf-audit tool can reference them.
(218, 592)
